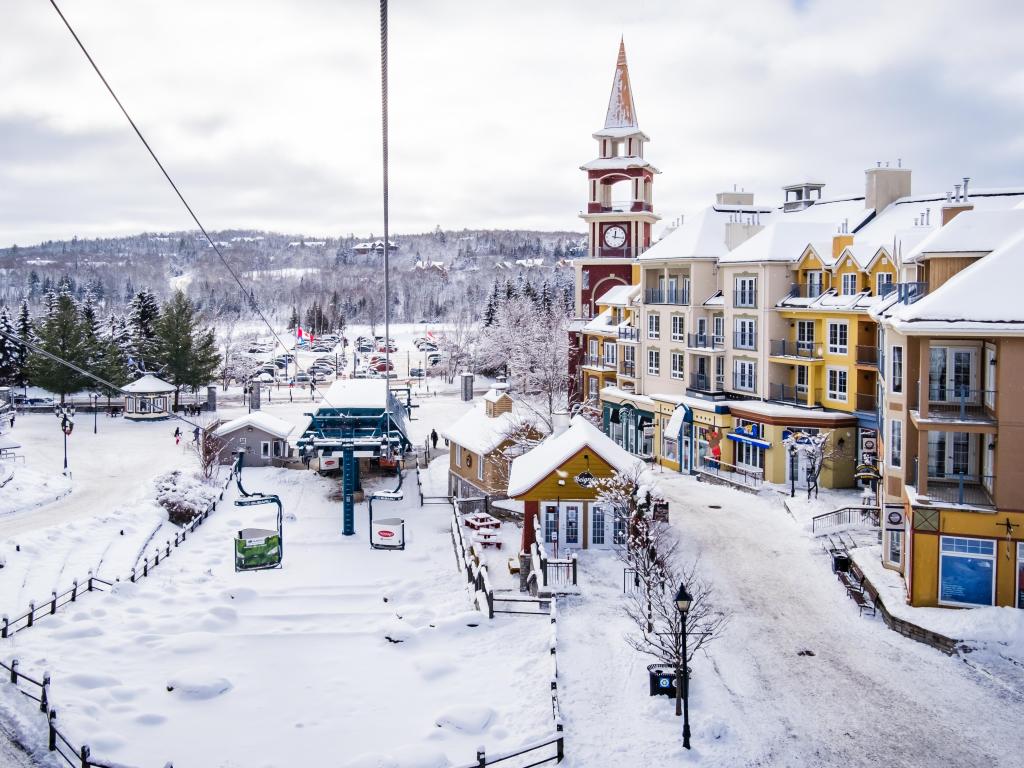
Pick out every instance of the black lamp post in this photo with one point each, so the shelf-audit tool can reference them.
(792, 470)
(66, 414)
(683, 601)
(95, 410)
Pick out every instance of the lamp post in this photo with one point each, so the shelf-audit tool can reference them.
(95, 408)
(683, 601)
(792, 470)
(66, 414)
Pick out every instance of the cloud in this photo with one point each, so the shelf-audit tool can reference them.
(267, 113)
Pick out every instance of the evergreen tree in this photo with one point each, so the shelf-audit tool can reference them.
(188, 353)
(10, 353)
(25, 330)
(50, 302)
(66, 336)
(491, 308)
(144, 314)
(293, 322)
(544, 302)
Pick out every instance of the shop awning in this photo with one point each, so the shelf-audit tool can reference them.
(748, 439)
(675, 424)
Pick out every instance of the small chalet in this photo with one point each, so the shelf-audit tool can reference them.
(555, 483)
(479, 444)
(148, 399)
(262, 437)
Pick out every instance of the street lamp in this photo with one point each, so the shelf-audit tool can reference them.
(793, 469)
(95, 411)
(66, 414)
(683, 601)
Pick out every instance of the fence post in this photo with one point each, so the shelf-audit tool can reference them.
(85, 753)
(3, 629)
(544, 570)
(175, 539)
(560, 754)
(14, 671)
(90, 581)
(53, 602)
(52, 743)
(575, 563)
(133, 574)
(31, 611)
(168, 548)
(156, 558)
(481, 758)
(44, 697)
(145, 567)
(74, 590)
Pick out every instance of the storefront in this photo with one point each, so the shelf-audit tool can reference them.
(629, 421)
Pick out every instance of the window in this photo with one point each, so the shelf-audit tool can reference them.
(719, 326)
(265, 449)
(458, 455)
(953, 374)
(966, 571)
(849, 283)
(744, 375)
(837, 380)
(619, 528)
(592, 382)
(720, 372)
(594, 353)
(745, 294)
(814, 283)
(597, 524)
(653, 361)
(749, 456)
(990, 377)
(610, 354)
(480, 468)
(654, 326)
(677, 328)
(895, 552)
(572, 524)
(805, 336)
(837, 337)
(550, 523)
(895, 443)
(278, 449)
(241, 441)
(677, 365)
(883, 283)
(801, 379)
(669, 442)
(585, 279)
(897, 369)
(746, 334)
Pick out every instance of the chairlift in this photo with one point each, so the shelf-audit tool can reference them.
(387, 533)
(257, 549)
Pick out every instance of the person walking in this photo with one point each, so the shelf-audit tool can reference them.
(195, 435)
(433, 438)
(177, 435)
(312, 390)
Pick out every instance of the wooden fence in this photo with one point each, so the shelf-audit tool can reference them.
(547, 573)
(424, 500)
(476, 572)
(39, 690)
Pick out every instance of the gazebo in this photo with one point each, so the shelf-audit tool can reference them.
(147, 399)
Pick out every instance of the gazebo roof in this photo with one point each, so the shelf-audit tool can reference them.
(148, 385)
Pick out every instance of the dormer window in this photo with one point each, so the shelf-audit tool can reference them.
(849, 283)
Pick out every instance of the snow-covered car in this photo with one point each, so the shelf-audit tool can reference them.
(301, 378)
(434, 358)
(417, 373)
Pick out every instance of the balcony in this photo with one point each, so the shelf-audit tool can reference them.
(703, 382)
(594, 361)
(628, 333)
(958, 404)
(627, 368)
(744, 341)
(908, 293)
(618, 206)
(704, 341)
(743, 383)
(802, 396)
(744, 299)
(678, 297)
(867, 401)
(804, 350)
(960, 488)
(806, 290)
(867, 355)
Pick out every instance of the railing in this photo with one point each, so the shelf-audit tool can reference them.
(960, 404)
(476, 572)
(784, 393)
(425, 499)
(628, 368)
(867, 401)
(628, 333)
(744, 340)
(960, 488)
(677, 297)
(594, 361)
(847, 516)
(802, 349)
(705, 341)
(733, 473)
(550, 572)
(908, 293)
(700, 381)
(744, 299)
(867, 355)
(806, 290)
(886, 288)
(744, 383)
(618, 206)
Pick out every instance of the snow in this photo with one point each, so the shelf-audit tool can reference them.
(148, 384)
(617, 163)
(971, 232)
(357, 393)
(480, 433)
(619, 295)
(259, 420)
(782, 240)
(263, 274)
(779, 411)
(532, 467)
(702, 234)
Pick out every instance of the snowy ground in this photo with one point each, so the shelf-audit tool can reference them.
(866, 697)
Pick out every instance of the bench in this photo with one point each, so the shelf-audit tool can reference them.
(513, 566)
(863, 604)
(489, 543)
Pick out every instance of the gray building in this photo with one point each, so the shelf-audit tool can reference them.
(264, 439)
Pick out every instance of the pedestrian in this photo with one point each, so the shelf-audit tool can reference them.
(312, 390)
(433, 438)
(195, 435)
(177, 435)
(12, 419)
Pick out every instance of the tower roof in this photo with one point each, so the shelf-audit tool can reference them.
(621, 110)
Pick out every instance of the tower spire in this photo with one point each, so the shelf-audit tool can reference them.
(621, 110)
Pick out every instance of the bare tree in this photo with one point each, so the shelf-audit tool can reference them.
(659, 626)
(456, 347)
(208, 450)
(820, 450)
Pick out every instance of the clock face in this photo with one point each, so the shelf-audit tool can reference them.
(614, 236)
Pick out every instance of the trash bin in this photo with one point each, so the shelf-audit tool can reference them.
(662, 681)
(840, 562)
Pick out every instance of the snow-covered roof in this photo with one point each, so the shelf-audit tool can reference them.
(494, 394)
(619, 295)
(984, 297)
(781, 411)
(702, 234)
(480, 433)
(617, 163)
(717, 300)
(848, 208)
(357, 393)
(148, 385)
(263, 421)
(971, 232)
(532, 467)
(782, 240)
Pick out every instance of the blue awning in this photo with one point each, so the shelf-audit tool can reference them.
(748, 439)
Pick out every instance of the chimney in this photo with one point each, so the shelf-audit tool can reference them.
(958, 205)
(884, 186)
(966, 181)
(839, 242)
(559, 422)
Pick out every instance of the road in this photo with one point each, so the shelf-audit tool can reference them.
(864, 695)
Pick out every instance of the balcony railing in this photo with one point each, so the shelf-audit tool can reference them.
(705, 341)
(867, 355)
(678, 297)
(593, 361)
(960, 488)
(886, 288)
(806, 290)
(908, 293)
(704, 382)
(806, 350)
(746, 299)
(744, 341)
(744, 383)
(960, 404)
(867, 401)
(628, 368)
(628, 333)
(785, 393)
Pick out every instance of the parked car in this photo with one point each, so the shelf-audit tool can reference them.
(301, 378)
(417, 373)
(434, 358)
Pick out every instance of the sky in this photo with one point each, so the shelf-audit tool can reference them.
(267, 114)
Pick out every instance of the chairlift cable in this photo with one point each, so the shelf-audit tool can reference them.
(250, 296)
(384, 164)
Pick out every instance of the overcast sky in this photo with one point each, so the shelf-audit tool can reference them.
(267, 111)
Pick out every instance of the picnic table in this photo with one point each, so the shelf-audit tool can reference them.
(481, 520)
(487, 539)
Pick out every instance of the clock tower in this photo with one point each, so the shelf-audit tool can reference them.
(620, 210)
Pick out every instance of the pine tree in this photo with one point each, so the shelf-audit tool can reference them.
(66, 336)
(50, 302)
(144, 314)
(544, 302)
(188, 353)
(491, 308)
(10, 354)
(293, 323)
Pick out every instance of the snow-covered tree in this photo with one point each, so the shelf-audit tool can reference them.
(143, 315)
(10, 352)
